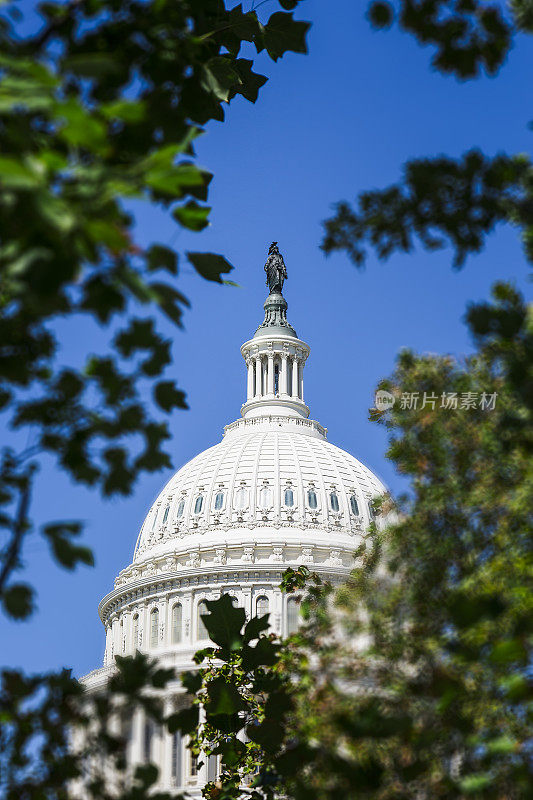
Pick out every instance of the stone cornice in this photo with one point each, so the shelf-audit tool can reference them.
(153, 586)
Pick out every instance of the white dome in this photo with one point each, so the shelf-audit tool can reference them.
(273, 494)
(248, 481)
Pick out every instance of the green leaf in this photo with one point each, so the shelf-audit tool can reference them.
(176, 181)
(283, 33)
(69, 555)
(90, 65)
(168, 397)
(125, 110)
(232, 752)
(192, 215)
(224, 698)
(81, 128)
(16, 175)
(201, 655)
(508, 651)
(160, 257)
(224, 622)
(381, 14)
(18, 600)
(255, 626)
(475, 783)
(219, 77)
(210, 265)
(192, 681)
(185, 721)
(265, 653)
(250, 82)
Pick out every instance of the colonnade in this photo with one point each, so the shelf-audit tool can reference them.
(275, 374)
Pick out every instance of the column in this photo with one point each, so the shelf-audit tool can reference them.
(283, 378)
(270, 374)
(126, 616)
(165, 751)
(137, 737)
(301, 392)
(250, 391)
(108, 645)
(258, 377)
(117, 644)
(295, 379)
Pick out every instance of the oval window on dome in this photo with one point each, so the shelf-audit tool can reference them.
(311, 498)
(219, 500)
(165, 515)
(354, 505)
(181, 506)
(265, 497)
(241, 498)
(289, 498)
(198, 504)
(334, 501)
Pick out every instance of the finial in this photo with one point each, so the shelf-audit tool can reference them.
(275, 269)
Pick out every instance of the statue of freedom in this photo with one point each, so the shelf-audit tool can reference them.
(275, 269)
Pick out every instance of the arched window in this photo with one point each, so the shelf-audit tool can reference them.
(241, 498)
(193, 766)
(265, 497)
(181, 506)
(289, 498)
(198, 504)
(293, 614)
(370, 510)
(311, 498)
(135, 632)
(276, 379)
(334, 501)
(354, 505)
(165, 515)
(176, 621)
(175, 767)
(154, 626)
(201, 630)
(148, 736)
(219, 500)
(126, 731)
(261, 606)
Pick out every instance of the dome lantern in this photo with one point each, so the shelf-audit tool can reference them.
(275, 357)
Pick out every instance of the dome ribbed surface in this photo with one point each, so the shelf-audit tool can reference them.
(250, 471)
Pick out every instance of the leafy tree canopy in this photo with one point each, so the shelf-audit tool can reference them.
(442, 201)
(100, 106)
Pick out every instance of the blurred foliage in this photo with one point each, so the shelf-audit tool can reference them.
(442, 201)
(424, 688)
(58, 741)
(100, 106)
(414, 678)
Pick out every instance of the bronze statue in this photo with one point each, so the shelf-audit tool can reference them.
(275, 269)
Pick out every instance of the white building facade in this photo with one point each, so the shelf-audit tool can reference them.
(273, 493)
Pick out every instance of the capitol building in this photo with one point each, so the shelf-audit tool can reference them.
(273, 493)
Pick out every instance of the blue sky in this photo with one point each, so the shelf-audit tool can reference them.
(326, 126)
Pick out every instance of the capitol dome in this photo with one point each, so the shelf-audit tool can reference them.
(269, 472)
(274, 493)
